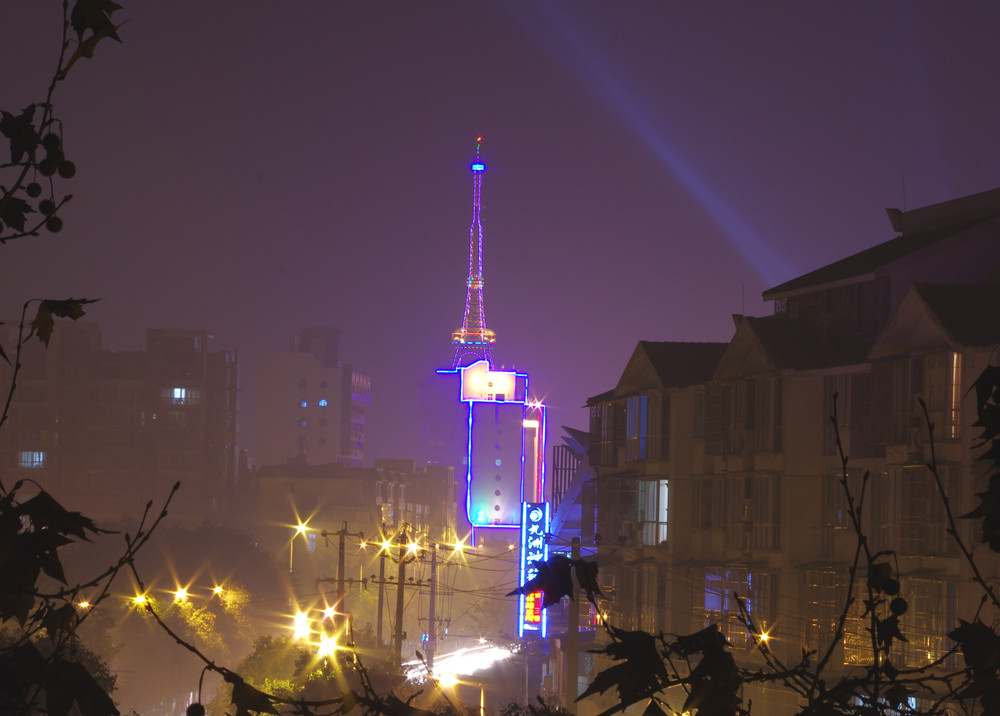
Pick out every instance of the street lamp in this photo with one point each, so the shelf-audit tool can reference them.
(300, 529)
(451, 681)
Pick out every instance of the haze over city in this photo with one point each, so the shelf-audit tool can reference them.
(652, 167)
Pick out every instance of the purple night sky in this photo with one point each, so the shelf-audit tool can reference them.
(255, 168)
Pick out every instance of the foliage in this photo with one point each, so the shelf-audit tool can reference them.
(43, 667)
(271, 667)
(543, 708)
(987, 388)
(30, 197)
(554, 579)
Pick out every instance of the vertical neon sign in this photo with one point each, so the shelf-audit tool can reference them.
(534, 548)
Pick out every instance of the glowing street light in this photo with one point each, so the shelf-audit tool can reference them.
(300, 529)
(181, 595)
(459, 547)
(327, 646)
(300, 625)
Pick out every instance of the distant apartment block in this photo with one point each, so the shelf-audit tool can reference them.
(106, 431)
(310, 407)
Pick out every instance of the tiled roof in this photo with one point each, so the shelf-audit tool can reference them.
(600, 397)
(682, 364)
(970, 313)
(868, 261)
(794, 344)
(677, 364)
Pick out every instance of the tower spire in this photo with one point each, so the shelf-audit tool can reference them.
(473, 340)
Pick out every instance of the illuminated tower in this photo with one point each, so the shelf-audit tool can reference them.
(473, 340)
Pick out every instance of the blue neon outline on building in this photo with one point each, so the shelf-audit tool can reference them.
(479, 388)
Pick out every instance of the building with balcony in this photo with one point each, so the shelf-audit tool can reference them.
(717, 470)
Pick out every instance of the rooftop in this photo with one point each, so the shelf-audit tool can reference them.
(918, 228)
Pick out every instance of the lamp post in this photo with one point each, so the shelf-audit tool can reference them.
(300, 529)
(409, 549)
(342, 534)
(397, 637)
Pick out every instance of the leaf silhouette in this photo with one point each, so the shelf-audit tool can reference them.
(641, 672)
(586, 577)
(888, 629)
(980, 646)
(13, 210)
(49, 309)
(45, 512)
(20, 130)
(249, 700)
(93, 15)
(553, 579)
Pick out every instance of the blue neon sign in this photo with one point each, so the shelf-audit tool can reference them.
(534, 548)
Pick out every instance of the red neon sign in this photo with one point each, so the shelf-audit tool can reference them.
(533, 608)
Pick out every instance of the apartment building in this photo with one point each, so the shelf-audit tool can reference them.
(718, 470)
(107, 431)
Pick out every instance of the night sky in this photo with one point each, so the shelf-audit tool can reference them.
(253, 168)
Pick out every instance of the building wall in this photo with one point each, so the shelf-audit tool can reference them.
(107, 431)
(755, 501)
(310, 408)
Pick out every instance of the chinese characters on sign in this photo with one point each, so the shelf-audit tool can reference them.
(534, 548)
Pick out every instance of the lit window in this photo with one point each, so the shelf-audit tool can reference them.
(303, 403)
(180, 396)
(322, 402)
(636, 426)
(31, 459)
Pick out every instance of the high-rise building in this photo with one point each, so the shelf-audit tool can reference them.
(107, 431)
(310, 406)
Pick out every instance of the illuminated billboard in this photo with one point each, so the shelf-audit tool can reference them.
(534, 548)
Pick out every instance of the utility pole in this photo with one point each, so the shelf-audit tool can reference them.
(572, 641)
(431, 617)
(341, 606)
(397, 642)
(381, 597)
